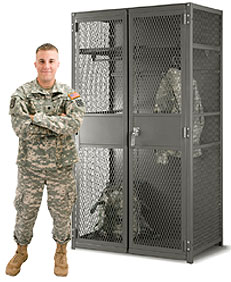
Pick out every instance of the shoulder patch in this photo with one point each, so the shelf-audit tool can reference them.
(73, 95)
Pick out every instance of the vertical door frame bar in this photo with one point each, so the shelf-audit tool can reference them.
(189, 141)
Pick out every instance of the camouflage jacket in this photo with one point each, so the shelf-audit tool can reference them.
(169, 100)
(48, 141)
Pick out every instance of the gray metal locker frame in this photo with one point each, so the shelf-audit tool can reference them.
(200, 185)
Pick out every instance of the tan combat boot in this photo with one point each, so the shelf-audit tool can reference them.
(14, 265)
(61, 266)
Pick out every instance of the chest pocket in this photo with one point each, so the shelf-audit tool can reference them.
(35, 103)
(39, 103)
(58, 105)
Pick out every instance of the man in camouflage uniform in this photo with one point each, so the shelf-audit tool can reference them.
(45, 116)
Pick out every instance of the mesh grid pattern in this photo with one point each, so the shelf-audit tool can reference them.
(100, 66)
(206, 66)
(206, 28)
(207, 196)
(101, 177)
(156, 200)
(206, 60)
(209, 89)
(207, 168)
(154, 58)
(211, 130)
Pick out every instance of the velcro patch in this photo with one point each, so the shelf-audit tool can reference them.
(73, 95)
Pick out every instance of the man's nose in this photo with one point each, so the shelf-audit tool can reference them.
(46, 65)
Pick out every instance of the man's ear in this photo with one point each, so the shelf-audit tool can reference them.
(35, 64)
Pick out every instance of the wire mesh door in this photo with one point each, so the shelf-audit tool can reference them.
(99, 219)
(156, 141)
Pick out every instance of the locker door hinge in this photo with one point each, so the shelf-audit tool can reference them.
(187, 246)
(76, 27)
(186, 18)
(186, 131)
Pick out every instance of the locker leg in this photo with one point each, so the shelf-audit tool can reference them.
(73, 244)
(189, 257)
(73, 239)
(190, 261)
(220, 244)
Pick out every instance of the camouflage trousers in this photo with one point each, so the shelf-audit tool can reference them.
(61, 189)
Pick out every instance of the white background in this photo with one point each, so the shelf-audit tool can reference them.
(25, 25)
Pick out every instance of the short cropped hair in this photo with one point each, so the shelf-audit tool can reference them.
(46, 47)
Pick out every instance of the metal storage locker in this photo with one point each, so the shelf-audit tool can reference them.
(149, 179)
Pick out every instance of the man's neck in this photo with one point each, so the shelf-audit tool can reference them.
(46, 85)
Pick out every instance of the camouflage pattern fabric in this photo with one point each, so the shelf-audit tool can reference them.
(47, 141)
(110, 213)
(169, 100)
(61, 189)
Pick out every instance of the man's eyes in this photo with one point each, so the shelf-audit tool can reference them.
(51, 61)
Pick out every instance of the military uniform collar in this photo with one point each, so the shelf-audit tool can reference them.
(36, 88)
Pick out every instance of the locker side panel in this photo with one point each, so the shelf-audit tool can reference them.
(207, 128)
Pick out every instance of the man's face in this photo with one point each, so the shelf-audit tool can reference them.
(47, 63)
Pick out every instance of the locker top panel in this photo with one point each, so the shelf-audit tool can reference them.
(96, 13)
(100, 14)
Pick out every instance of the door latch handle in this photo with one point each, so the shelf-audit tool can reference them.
(135, 133)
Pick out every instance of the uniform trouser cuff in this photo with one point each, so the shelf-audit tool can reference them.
(62, 242)
(21, 243)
